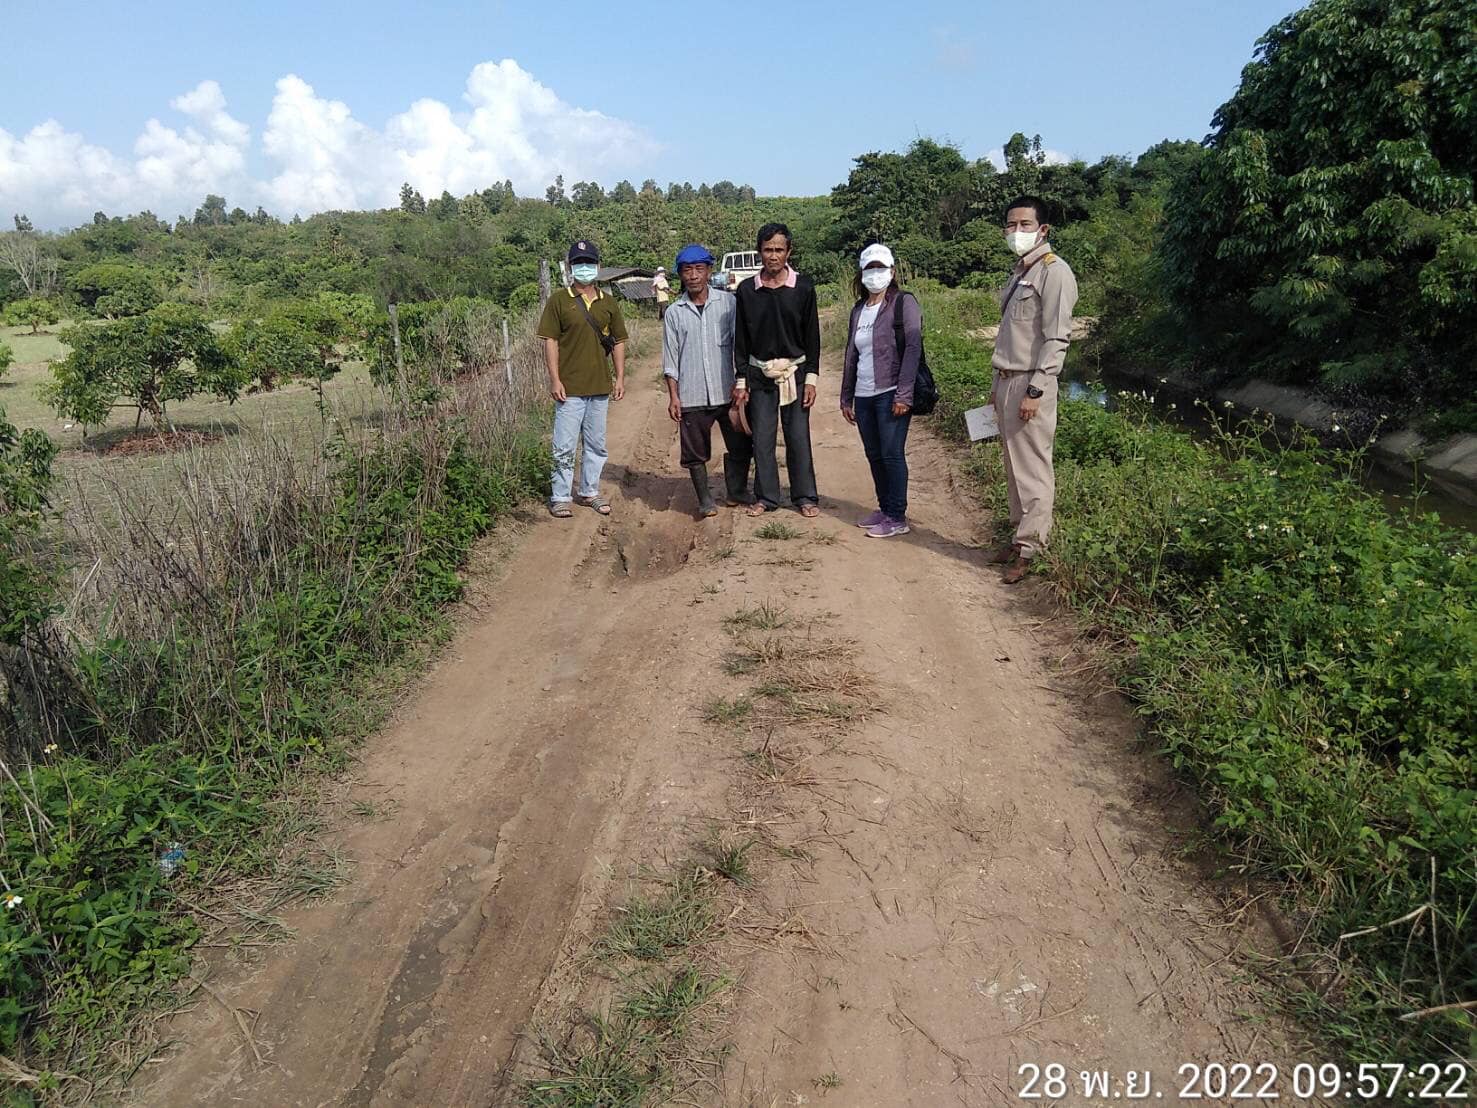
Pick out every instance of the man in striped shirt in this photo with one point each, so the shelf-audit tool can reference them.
(697, 361)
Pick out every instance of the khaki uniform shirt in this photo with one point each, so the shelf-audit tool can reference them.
(1036, 315)
(584, 369)
(661, 288)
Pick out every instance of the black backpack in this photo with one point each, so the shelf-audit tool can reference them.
(925, 392)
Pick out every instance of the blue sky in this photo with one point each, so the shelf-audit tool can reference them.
(780, 96)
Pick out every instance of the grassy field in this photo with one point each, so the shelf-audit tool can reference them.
(286, 410)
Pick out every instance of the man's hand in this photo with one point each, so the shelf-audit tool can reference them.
(1029, 408)
(740, 395)
(848, 414)
(556, 390)
(674, 409)
(809, 398)
(620, 389)
(900, 410)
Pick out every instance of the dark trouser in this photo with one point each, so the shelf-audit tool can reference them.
(885, 439)
(766, 417)
(696, 438)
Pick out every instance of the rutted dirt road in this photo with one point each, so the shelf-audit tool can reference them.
(990, 876)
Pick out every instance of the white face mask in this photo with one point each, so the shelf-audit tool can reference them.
(875, 280)
(1021, 242)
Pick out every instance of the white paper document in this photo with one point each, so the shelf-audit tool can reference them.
(981, 423)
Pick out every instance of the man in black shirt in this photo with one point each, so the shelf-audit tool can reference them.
(776, 346)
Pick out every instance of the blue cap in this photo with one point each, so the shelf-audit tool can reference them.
(693, 254)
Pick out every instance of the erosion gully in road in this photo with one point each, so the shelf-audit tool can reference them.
(986, 873)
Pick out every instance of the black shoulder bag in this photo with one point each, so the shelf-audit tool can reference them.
(925, 392)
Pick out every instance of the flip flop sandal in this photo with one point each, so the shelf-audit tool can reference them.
(560, 510)
(809, 511)
(599, 503)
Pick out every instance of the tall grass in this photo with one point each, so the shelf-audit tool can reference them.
(222, 626)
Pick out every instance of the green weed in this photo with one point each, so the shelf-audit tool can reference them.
(650, 929)
(777, 529)
(721, 710)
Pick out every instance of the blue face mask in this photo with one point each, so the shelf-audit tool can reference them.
(584, 273)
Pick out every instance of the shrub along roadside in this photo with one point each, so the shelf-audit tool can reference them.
(236, 646)
(1311, 664)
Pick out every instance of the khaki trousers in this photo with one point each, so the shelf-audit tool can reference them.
(1029, 478)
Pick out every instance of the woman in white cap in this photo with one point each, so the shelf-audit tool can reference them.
(883, 344)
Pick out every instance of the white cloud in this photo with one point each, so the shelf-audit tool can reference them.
(318, 155)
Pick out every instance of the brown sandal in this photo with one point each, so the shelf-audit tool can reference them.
(810, 511)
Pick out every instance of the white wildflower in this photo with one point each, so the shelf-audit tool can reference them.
(14, 900)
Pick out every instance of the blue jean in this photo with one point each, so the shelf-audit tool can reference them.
(579, 416)
(885, 439)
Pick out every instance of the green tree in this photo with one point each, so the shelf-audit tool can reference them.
(275, 350)
(411, 201)
(649, 222)
(1329, 235)
(524, 298)
(587, 195)
(146, 361)
(7, 358)
(114, 290)
(212, 213)
(623, 193)
(554, 194)
(33, 312)
(445, 206)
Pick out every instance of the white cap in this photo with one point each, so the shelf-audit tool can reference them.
(876, 253)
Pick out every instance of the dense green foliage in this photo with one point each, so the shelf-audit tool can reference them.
(1330, 235)
(486, 245)
(25, 481)
(1309, 661)
(31, 311)
(168, 353)
(942, 214)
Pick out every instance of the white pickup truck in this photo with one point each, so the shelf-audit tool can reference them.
(736, 268)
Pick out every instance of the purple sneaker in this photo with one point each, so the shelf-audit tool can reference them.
(872, 520)
(888, 528)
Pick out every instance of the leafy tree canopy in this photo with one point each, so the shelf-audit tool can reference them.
(1330, 232)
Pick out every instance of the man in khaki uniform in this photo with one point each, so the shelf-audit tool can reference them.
(1035, 329)
(663, 290)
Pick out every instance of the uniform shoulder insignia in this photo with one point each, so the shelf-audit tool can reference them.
(1048, 258)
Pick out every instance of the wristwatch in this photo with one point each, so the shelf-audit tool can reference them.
(1034, 393)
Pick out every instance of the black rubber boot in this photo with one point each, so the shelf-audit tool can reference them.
(705, 505)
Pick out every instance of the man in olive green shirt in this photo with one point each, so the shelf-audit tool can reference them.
(1035, 329)
(581, 328)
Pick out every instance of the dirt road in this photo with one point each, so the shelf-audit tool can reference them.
(989, 877)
